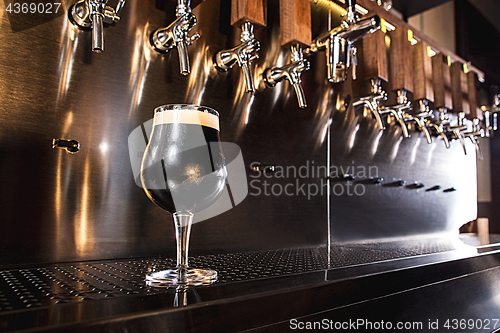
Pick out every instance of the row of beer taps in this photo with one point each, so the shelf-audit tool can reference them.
(341, 56)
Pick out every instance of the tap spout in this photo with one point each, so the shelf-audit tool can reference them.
(91, 15)
(242, 55)
(290, 72)
(177, 35)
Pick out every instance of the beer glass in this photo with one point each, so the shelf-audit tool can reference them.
(183, 171)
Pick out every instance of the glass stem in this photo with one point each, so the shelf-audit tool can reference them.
(183, 222)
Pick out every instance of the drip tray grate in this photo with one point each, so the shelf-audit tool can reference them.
(55, 284)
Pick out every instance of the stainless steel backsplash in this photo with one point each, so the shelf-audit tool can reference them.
(57, 206)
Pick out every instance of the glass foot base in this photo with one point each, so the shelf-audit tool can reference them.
(186, 277)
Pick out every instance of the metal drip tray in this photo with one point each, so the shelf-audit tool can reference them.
(62, 283)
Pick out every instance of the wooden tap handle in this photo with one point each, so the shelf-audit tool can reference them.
(253, 11)
(441, 77)
(295, 22)
(401, 74)
(375, 56)
(459, 88)
(422, 72)
(474, 96)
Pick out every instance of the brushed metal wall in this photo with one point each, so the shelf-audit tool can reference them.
(61, 207)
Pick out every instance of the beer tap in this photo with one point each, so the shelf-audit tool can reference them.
(459, 93)
(242, 54)
(457, 129)
(420, 118)
(338, 43)
(290, 72)
(490, 117)
(295, 31)
(401, 76)
(176, 35)
(92, 14)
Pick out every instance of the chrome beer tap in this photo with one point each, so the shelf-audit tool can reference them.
(91, 14)
(439, 123)
(338, 43)
(399, 111)
(176, 35)
(290, 72)
(372, 101)
(421, 118)
(242, 54)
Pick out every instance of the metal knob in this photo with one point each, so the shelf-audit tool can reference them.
(71, 146)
